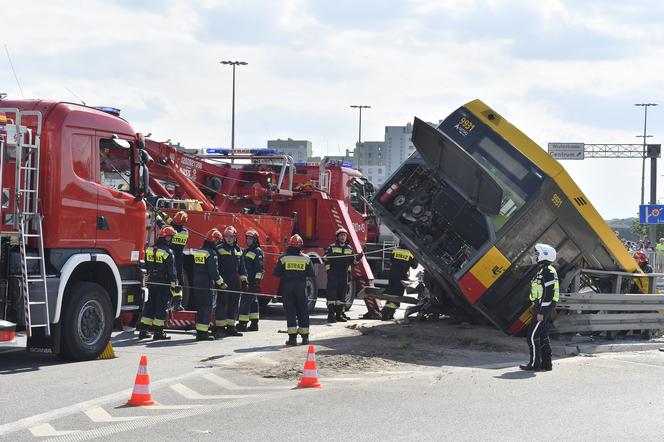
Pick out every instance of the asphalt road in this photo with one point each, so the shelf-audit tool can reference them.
(464, 396)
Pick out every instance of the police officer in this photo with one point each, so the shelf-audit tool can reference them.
(293, 267)
(401, 260)
(339, 258)
(160, 264)
(177, 245)
(231, 268)
(544, 293)
(253, 262)
(206, 277)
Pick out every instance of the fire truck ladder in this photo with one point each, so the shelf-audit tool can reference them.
(28, 222)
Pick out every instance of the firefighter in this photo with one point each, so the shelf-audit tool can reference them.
(642, 260)
(294, 267)
(401, 260)
(231, 268)
(253, 261)
(339, 258)
(544, 293)
(160, 263)
(177, 245)
(206, 277)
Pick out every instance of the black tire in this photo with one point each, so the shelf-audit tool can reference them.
(264, 301)
(86, 322)
(312, 293)
(350, 293)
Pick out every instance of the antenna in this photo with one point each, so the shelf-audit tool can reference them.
(14, 71)
(79, 98)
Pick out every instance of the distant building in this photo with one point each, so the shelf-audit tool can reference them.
(370, 153)
(376, 175)
(300, 150)
(398, 145)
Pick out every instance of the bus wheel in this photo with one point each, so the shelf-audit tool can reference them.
(311, 290)
(86, 322)
(350, 294)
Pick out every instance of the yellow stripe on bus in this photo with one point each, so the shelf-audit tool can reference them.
(489, 268)
(555, 170)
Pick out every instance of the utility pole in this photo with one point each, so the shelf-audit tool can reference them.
(652, 229)
(233, 64)
(360, 107)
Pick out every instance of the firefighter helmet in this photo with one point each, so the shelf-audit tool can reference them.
(640, 257)
(295, 241)
(167, 231)
(341, 230)
(214, 235)
(230, 230)
(545, 253)
(252, 233)
(180, 218)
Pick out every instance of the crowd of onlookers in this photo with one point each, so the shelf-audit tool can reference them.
(642, 245)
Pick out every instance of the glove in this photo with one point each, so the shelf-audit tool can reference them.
(176, 291)
(259, 276)
(221, 284)
(360, 255)
(243, 279)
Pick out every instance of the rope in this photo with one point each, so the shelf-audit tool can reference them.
(213, 289)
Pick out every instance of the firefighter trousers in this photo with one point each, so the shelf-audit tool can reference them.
(204, 303)
(227, 304)
(154, 310)
(337, 286)
(249, 304)
(538, 343)
(294, 296)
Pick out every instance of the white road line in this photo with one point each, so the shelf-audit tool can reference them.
(47, 430)
(188, 393)
(228, 385)
(98, 414)
(170, 407)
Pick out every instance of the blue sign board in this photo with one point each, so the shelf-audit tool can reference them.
(651, 214)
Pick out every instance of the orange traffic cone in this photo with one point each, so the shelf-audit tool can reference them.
(141, 394)
(310, 373)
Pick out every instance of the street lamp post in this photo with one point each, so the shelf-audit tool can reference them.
(233, 64)
(360, 107)
(652, 229)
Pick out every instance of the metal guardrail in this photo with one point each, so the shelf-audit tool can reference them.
(608, 322)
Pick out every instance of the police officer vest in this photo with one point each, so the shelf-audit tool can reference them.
(537, 289)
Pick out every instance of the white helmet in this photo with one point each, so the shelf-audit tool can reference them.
(545, 253)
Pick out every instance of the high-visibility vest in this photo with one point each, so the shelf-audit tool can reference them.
(537, 289)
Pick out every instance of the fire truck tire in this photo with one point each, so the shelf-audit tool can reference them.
(350, 294)
(312, 293)
(86, 322)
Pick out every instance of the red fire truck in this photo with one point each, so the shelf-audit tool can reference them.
(79, 186)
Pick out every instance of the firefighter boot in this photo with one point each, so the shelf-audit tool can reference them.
(330, 314)
(144, 333)
(230, 331)
(177, 304)
(387, 313)
(340, 314)
(204, 336)
(253, 326)
(219, 333)
(305, 339)
(292, 339)
(159, 335)
(242, 326)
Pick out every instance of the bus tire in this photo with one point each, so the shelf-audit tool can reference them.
(86, 322)
(311, 289)
(350, 294)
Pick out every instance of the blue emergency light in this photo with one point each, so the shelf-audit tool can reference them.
(109, 110)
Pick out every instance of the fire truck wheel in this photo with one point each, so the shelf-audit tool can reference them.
(86, 321)
(312, 293)
(350, 294)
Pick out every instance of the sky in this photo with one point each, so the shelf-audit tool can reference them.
(560, 70)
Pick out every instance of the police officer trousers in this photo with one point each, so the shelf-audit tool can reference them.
(204, 303)
(294, 298)
(538, 342)
(154, 310)
(227, 303)
(337, 286)
(249, 303)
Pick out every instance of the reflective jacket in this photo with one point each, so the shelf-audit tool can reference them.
(160, 263)
(294, 265)
(253, 262)
(206, 266)
(231, 264)
(341, 257)
(544, 289)
(179, 240)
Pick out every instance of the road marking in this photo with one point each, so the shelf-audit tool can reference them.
(188, 393)
(47, 430)
(170, 407)
(98, 414)
(228, 385)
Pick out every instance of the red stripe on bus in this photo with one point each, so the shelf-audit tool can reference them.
(471, 287)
